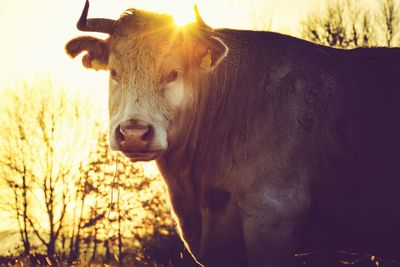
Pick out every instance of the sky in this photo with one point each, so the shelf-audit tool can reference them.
(34, 32)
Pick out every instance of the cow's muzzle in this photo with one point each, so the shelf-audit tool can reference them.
(135, 139)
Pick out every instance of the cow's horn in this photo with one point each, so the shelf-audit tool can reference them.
(94, 25)
(199, 21)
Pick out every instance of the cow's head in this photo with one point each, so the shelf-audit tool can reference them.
(151, 63)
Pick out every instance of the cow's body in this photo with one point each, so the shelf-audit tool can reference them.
(303, 133)
(285, 146)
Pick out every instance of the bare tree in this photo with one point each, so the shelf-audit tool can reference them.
(61, 173)
(389, 21)
(88, 185)
(346, 24)
(80, 197)
(16, 164)
(342, 24)
(38, 158)
(53, 182)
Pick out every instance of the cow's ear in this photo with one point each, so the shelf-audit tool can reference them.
(97, 52)
(212, 53)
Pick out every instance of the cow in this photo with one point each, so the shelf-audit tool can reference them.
(268, 144)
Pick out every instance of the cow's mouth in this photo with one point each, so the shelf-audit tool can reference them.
(142, 155)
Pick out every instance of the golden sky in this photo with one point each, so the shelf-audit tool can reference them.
(33, 33)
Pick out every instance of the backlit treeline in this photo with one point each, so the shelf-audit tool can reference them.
(71, 198)
(350, 24)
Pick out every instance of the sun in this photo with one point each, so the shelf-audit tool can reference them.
(181, 10)
(183, 16)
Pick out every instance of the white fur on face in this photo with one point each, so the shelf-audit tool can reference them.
(126, 105)
(140, 93)
(173, 92)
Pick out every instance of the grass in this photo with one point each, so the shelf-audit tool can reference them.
(314, 259)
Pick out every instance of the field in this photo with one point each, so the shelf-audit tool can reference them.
(338, 259)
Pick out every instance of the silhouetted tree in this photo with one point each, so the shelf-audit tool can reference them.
(342, 24)
(71, 193)
(389, 21)
(86, 186)
(39, 151)
(15, 170)
(346, 24)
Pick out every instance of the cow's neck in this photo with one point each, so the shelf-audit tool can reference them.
(207, 136)
(179, 171)
(205, 156)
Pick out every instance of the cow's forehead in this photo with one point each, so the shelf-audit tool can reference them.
(139, 21)
(143, 51)
(156, 43)
(148, 52)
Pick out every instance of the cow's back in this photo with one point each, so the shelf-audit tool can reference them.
(356, 191)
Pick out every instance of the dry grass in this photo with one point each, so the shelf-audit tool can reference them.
(314, 259)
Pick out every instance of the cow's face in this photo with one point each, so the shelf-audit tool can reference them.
(146, 90)
(149, 87)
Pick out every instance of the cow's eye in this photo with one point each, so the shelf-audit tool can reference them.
(172, 76)
(113, 74)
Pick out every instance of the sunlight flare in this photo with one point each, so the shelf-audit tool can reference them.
(182, 11)
(183, 17)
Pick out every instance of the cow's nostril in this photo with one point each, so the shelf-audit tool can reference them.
(119, 135)
(148, 135)
(134, 133)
